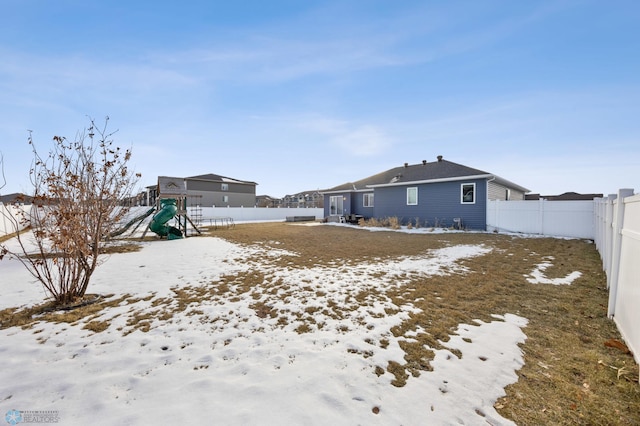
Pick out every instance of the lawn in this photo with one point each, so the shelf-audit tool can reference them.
(277, 323)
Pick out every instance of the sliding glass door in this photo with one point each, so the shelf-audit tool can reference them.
(335, 205)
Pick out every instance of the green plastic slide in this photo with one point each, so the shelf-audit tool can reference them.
(168, 210)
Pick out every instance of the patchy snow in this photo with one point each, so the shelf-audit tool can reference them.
(538, 276)
(219, 361)
(406, 229)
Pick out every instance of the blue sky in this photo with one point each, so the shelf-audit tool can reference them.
(302, 95)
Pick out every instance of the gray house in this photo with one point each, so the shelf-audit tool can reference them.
(438, 193)
(311, 198)
(211, 190)
(221, 191)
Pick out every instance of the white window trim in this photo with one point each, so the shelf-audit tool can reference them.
(416, 190)
(369, 196)
(224, 187)
(462, 185)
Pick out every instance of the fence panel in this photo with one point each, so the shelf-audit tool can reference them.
(9, 214)
(555, 218)
(617, 220)
(568, 219)
(247, 214)
(627, 298)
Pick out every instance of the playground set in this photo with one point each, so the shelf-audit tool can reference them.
(171, 203)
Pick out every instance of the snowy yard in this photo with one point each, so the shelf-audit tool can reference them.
(206, 331)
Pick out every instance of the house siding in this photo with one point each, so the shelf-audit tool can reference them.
(352, 204)
(209, 185)
(215, 198)
(498, 192)
(438, 204)
(210, 193)
(358, 205)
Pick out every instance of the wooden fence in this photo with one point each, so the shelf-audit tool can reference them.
(617, 221)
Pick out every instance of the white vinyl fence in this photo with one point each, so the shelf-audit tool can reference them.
(612, 222)
(9, 215)
(254, 214)
(238, 214)
(617, 220)
(553, 218)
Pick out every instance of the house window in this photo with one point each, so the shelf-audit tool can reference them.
(468, 193)
(412, 196)
(225, 198)
(367, 200)
(335, 205)
(507, 194)
(224, 186)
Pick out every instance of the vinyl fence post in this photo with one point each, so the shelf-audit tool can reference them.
(596, 219)
(496, 214)
(616, 246)
(541, 216)
(608, 234)
(603, 228)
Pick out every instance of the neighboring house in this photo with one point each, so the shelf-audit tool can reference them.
(304, 199)
(16, 197)
(221, 191)
(567, 196)
(268, 201)
(212, 190)
(439, 193)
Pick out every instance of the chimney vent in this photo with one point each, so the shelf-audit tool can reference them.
(439, 158)
(424, 162)
(406, 164)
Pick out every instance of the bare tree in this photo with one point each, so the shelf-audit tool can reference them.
(78, 196)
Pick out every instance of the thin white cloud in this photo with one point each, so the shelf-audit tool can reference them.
(359, 140)
(362, 141)
(273, 59)
(38, 77)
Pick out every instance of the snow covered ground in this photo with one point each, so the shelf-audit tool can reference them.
(220, 361)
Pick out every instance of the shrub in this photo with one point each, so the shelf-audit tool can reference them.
(77, 202)
(393, 222)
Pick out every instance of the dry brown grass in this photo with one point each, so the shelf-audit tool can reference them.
(49, 311)
(570, 375)
(121, 247)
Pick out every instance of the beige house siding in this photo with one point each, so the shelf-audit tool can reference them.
(496, 191)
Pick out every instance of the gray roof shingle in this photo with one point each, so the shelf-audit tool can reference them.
(441, 169)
